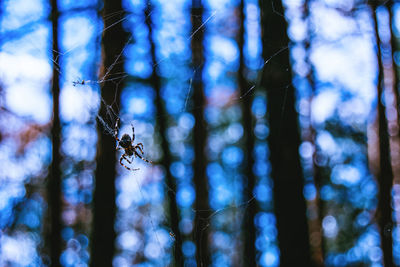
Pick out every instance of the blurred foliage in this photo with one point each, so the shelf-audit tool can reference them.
(334, 68)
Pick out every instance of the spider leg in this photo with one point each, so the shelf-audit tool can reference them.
(116, 134)
(122, 164)
(140, 144)
(138, 155)
(117, 147)
(133, 133)
(124, 156)
(140, 147)
(116, 129)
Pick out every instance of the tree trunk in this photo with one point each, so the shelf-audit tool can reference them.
(201, 205)
(284, 139)
(166, 161)
(385, 174)
(104, 208)
(54, 179)
(249, 252)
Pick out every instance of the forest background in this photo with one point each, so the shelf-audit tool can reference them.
(272, 128)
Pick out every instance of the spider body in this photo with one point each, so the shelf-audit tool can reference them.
(130, 150)
(126, 143)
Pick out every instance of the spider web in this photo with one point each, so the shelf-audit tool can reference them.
(114, 113)
(143, 221)
(85, 91)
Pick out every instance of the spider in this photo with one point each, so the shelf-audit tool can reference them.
(126, 143)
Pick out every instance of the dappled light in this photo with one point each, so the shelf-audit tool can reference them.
(199, 133)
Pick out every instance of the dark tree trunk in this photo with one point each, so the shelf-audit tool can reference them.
(284, 140)
(385, 174)
(201, 204)
(54, 179)
(249, 244)
(104, 208)
(166, 161)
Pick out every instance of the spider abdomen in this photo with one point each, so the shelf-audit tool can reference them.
(126, 141)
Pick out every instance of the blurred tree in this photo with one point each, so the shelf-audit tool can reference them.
(316, 238)
(155, 80)
(104, 207)
(385, 173)
(284, 139)
(395, 135)
(394, 49)
(54, 179)
(201, 204)
(337, 141)
(249, 180)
